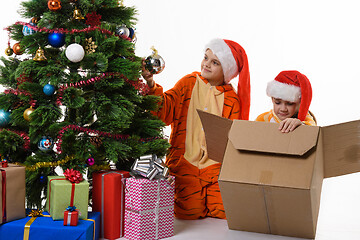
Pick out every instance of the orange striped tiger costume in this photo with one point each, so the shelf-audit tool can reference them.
(197, 193)
(271, 117)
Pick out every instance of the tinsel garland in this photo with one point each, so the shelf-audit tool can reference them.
(100, 167)
(24, 136)
(46, 164)
(65, 31)
(19, 92)
(138, 85)
(96, 132)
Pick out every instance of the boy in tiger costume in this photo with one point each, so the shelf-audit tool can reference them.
(291, 95)
(197, 193)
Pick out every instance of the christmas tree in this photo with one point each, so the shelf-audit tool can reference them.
(73, 97)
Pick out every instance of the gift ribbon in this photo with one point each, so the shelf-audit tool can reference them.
(34, 214)
(102, 203)
(157, 206)
(72, 192)
(3, 194)
(94, 226)
(151, 167)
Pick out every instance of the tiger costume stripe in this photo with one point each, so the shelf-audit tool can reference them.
(271, 117)
(197, 192)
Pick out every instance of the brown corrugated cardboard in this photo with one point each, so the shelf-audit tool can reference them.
(270, 181)
(12, 191)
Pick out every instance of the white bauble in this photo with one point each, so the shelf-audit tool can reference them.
(75, 52)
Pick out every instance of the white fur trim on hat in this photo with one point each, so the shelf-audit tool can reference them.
(225, 56)
(283, 91)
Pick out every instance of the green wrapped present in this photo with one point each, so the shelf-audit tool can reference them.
(61, 193)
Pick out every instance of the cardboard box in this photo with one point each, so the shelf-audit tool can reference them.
(59, 197)
(270, 181)
(12, 193)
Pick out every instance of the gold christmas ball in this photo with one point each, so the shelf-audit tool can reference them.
(54, 5)
(9, 51)
(17, 49)
(27, 113)
(35, 20)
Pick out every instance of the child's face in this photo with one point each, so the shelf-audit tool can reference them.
(211, 69)
(285, 109)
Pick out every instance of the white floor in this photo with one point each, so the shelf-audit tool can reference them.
(339, 217)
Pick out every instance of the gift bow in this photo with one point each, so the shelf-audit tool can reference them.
(150, 166)
(71, 208)
(36, 213)
(74, 176)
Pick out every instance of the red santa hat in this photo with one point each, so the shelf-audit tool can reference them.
(292, 86)
(234, 62)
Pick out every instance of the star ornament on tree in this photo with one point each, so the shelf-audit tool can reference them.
(93, 19)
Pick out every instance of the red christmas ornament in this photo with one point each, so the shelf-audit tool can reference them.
(54, 5)
(93, 19)
(4, 163)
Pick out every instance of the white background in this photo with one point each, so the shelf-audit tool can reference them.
(319, 38)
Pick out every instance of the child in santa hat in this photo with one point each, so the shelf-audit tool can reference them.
(197, 193)
(291, 95)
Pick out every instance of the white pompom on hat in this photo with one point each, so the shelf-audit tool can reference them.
(292, 86)
(234, 62)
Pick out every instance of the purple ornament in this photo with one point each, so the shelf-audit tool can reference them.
(90, 161)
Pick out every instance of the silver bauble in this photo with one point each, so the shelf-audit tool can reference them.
(155, 64)
(122, 31)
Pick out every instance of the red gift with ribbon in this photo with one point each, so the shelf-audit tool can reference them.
(71, 216)
(108, 196)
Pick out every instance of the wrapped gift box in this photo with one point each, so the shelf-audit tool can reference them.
(108, 196)
(12, 193)
(59, 197)
(71, 218)
(149, 209)
(44, 228)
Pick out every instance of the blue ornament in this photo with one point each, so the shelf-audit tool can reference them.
(42, 179)
(132, 32)
(27, 30)
(49, 89)
(56, 39)
(4, 118)
(45, 144)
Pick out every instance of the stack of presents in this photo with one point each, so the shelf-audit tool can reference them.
(134, 205)
(270, 183)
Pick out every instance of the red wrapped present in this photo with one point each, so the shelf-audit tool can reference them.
(149, 209)
(71, 216)
(108, 199)
(12, 193)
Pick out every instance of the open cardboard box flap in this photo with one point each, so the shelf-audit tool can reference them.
(216, 134)
(267, 138)
(341, 142)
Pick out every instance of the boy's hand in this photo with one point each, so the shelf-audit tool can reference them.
(147, 75)
(289, 125)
